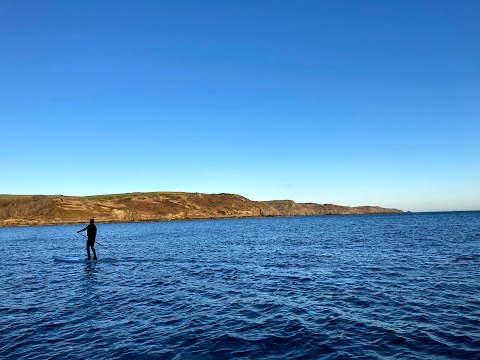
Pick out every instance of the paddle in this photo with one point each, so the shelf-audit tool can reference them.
(111, 252)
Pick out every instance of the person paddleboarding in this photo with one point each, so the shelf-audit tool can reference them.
(91, 234)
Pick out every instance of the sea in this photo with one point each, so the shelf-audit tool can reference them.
(386, 286)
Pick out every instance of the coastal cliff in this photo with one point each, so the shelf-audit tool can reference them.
(291, 208)
(155, 206)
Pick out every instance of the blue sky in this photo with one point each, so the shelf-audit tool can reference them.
(345, 102)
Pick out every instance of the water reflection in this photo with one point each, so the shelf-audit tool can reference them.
(90, 269)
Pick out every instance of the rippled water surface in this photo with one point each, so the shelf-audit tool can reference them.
(334, 287)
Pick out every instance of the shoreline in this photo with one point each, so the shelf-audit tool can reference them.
(19, 224)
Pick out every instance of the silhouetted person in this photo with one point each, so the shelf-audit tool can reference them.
(91, 234)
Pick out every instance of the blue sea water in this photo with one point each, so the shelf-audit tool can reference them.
(396, 286)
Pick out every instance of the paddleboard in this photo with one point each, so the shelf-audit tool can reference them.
(72, 259)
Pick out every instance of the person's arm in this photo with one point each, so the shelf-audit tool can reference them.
(82, 230)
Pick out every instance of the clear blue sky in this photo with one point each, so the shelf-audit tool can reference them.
(345, 102)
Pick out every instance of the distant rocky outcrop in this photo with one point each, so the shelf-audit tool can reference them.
(155, 206)
(291, 208)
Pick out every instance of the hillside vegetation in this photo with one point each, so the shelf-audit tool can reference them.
(56, 209)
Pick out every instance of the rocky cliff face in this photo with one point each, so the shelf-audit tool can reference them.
(52, 209)
(291, 208)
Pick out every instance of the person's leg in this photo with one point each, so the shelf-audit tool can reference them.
(88, 250)
(93, 249)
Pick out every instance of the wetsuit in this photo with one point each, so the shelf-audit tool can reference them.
(91, 234)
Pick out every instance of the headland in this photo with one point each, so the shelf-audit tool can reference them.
(17, 210)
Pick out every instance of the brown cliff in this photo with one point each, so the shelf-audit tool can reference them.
(154, 206)
(291, 208)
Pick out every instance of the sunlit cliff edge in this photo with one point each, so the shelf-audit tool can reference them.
(18, 210)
